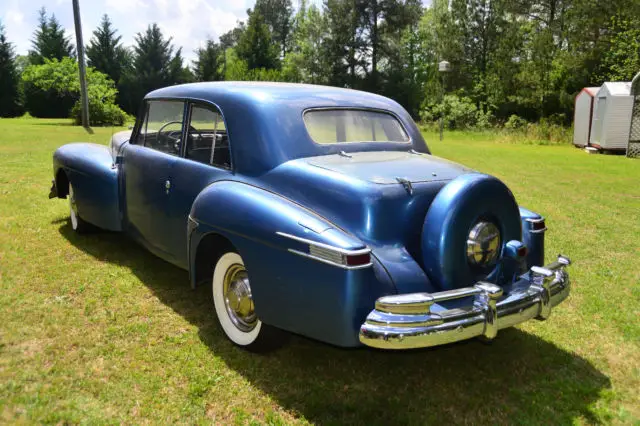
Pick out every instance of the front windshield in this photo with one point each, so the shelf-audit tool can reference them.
(328, 126)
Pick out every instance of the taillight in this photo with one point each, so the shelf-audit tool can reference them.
(358, 259)
(522, 251)
(340, 257)
(537, 225)
(344, 258)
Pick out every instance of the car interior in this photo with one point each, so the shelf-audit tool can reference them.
(209, 147)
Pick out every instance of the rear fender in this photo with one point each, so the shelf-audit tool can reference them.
(533, 238)
(89, 168)
(290, 291)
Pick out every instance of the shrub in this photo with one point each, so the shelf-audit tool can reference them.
(53, 90)
(458, 113)
(515, 123)
(49, 88)
(484, 120)
(100, 114)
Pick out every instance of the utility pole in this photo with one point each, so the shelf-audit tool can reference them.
(84, 100)
(443, 68)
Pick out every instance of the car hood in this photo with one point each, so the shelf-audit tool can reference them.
(390, 167)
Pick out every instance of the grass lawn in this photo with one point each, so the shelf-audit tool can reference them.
(96, 330)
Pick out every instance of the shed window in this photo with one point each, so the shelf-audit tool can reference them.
(329, 126)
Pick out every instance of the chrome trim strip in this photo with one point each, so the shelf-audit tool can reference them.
(326, 246)
(407, 321)
(536, 231)
(328, 262)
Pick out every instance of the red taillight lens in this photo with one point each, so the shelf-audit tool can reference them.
(538, 225)
(522, 251)
(358, 259)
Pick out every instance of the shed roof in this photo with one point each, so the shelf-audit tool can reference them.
(617, 88)
(591, 90)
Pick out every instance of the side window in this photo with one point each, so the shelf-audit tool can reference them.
(162, 126)
(207, 140)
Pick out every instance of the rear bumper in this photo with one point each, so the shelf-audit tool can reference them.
(416, 320)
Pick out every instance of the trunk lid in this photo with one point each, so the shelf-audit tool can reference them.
(390, 167)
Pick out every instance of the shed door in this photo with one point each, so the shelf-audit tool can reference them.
(597, 128)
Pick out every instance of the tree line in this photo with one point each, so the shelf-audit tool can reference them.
(524, 58)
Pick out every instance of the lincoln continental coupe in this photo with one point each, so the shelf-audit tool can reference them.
(318, 211)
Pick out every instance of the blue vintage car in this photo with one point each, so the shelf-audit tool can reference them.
(318, 211)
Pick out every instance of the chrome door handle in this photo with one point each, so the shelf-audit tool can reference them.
(167, 186)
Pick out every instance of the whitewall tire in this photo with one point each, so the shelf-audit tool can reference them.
(234, 307)
(77, 224)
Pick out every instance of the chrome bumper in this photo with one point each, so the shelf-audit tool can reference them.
(416, 320)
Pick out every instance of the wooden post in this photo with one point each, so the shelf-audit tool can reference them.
(84, 100)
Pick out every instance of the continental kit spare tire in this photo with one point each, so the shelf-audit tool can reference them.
(457, 208)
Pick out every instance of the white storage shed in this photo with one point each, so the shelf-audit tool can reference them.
(582, 115)
(612, 116)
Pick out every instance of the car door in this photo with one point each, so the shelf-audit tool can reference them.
(206, 159)
(147, 163)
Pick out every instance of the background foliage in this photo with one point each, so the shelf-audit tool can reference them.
(53, 90)
(527, 58)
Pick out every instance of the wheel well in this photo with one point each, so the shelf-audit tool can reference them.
(210, 249)
(62, 184)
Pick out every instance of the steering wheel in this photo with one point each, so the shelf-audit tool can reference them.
(171, 135)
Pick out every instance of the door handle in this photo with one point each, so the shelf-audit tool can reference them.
(167, 186)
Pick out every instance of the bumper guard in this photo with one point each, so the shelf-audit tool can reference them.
(415, 320)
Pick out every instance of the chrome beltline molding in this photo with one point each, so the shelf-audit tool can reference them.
(409, 321)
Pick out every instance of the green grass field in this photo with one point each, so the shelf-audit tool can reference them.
(96, 330)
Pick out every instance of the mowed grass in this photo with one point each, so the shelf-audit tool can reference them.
(96, 330)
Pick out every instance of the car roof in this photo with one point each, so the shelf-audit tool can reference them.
(308, 95)
(264, 119)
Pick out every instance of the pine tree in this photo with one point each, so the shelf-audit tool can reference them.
(49, 41)
(256, 47)
(9, 95)
(154, 65)
(207, 66)
(277, 15)
(105, 52)
(344, 43)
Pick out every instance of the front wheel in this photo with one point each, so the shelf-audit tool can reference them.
(77, 224)
(235, 309)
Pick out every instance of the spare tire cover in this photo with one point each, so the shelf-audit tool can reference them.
(455, 210)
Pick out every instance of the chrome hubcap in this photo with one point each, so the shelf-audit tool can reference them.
(238, 300)
(483, 244)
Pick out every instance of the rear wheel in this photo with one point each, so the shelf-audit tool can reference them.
(77, 224)
(235, 310)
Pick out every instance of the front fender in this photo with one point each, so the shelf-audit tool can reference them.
(290, 291)
(89, 168)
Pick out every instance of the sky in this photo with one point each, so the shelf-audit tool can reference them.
(188, 22)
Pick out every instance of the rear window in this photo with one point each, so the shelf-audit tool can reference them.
(328, 126)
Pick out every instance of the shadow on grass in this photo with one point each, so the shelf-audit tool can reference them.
(68, 123)
(519, 377)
